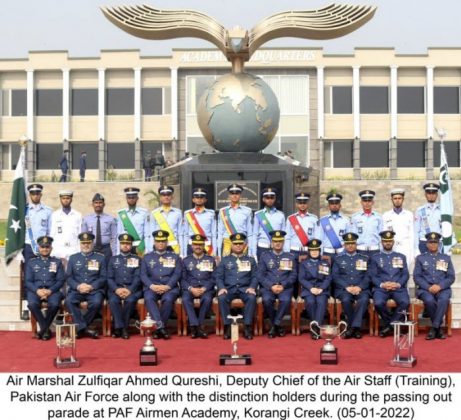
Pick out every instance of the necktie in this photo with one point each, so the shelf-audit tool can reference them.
(98, 243)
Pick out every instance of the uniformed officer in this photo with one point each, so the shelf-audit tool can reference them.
(351, 282)
(66, 225)
(315, 279)
(367, 224)
(277, 275)
(301, 227)
(168, 218)
(266, 220)
(87, 280)
(427, 217)
(103, 227)
(434, 274)
(197, 282)
(389, 275)
(200, 221)
(135, 221)
(44, 277)
(232, 219)
(401, 221)
(160, 273)
(236, 279)
(332, 227)
(124, 285)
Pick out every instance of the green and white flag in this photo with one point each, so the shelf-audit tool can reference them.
(16, 228)
(446, 202)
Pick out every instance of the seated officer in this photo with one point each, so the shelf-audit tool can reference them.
(236, 279)
(351, 284)
(434, 274)
(389, 275)
(124, 284)
(277, 274)
(87, 279)
(197, 282)
(44, 277)
(160, 274)
(315, 279)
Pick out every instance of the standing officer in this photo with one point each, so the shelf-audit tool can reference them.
(301, 227)
(86, 278)
(169, 219)
(401, 221)
(434, 274)
(389, 275)
(199, 221)
(315, 279)
(427, 217)
(160, 273)
(265, 221)
(82, 166)
(332, 227)
(352, 284)
(103, 227)
(197, 282)
(236, 279)
(44, 278)
(134, 220)
(124, 284)
(277, 274)
(367, 224)
(233, 219)
(66, 225)
(64, 166)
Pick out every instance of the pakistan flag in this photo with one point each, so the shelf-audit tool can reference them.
(16, 229)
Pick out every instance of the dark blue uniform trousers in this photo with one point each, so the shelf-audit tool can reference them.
(316, 306)
(355, 315)
(248, 312)
(122, 309)
(94, 300)
(167, 300)
(34, 304)
(205, 305)
(269, 299)
(435, 305)
(380, 298)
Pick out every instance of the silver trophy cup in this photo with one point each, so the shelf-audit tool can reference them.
(328, 352)
(148, 352)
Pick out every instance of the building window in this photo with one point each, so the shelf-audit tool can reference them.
(446, 100)
(84, 102)
(10, 155)
(451, 151)
(298, 146)
(151, 146)
(18, 102)
(374, 100)
(411, 153)
(198, 146)
(48, 102)
(292, 92)
(410, 100)
(91, 150)
(152, 101)
(166, 101)
(338, 154)
(119, 101)
(120, 155)
(340, 99)
(374, 154)
(48, 155)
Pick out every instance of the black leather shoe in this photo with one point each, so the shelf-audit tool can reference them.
(431, 334)
(201, 333)
(117, 333)
(125, 335)
(46, 335)
(25, 315)
(163, 333)
(193, 332)
(280, 331)
(80, 334)
(314, 336)
(227, 332)
(385, 331)
(247, 333)
(349, 334)
(439, 334)
(272, 332)
(357, 333)
(92, 333)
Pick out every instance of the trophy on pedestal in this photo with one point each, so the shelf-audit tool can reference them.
(148, 352)
(404, 342)
(66, 339)
(328, 352)
(234, 358)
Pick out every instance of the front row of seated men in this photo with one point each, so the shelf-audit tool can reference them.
(352, 278)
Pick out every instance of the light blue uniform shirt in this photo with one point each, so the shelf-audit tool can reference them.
(108, 229)
(207, 220)
(174, 220)
(276, 219)
(309, 223)
(140, 219)
(427, 219)
(241, 219)
(367, 227)
(40, 221)
(340, 225)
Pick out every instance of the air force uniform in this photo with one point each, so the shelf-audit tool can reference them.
(428, 219)
(108, 232)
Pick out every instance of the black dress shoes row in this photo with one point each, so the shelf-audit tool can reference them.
(87, 332)
(353, 333)
(247, 332)
(45, 335)
(276, 331)
(386, 331)
(435, 333)
(198, 332)
(121, 333)
(162, 333)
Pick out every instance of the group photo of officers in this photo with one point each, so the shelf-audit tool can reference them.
(166, 253)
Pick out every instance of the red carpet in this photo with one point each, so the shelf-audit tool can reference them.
(21, 353)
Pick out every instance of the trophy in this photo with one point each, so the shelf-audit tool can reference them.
(66, 342)
(234, 358)
(328, 353)
(404, 342)
(148, 353)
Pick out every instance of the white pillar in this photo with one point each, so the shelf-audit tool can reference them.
(65, 104)
(137, 103)
(320, 103)
(429, 101)
(356, 99)
(30, 104)
(393, 109)
(174, 111)
(101, 103)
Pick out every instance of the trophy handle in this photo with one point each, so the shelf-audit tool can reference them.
(316, 324)
(137, 324)
(344, 329)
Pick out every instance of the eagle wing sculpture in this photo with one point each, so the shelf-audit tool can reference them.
(237, 44)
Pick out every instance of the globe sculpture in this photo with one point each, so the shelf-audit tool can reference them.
(238, 113)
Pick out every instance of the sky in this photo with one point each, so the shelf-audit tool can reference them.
(78, 26)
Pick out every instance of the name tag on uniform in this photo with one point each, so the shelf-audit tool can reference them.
(286, 265)
(132, 263)
(397, 262)
(243, 265)
(361, 265)
(324, 269)
(53, 267)
(93, 265)
(205, 266)
(441, 265)
(169, 262)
